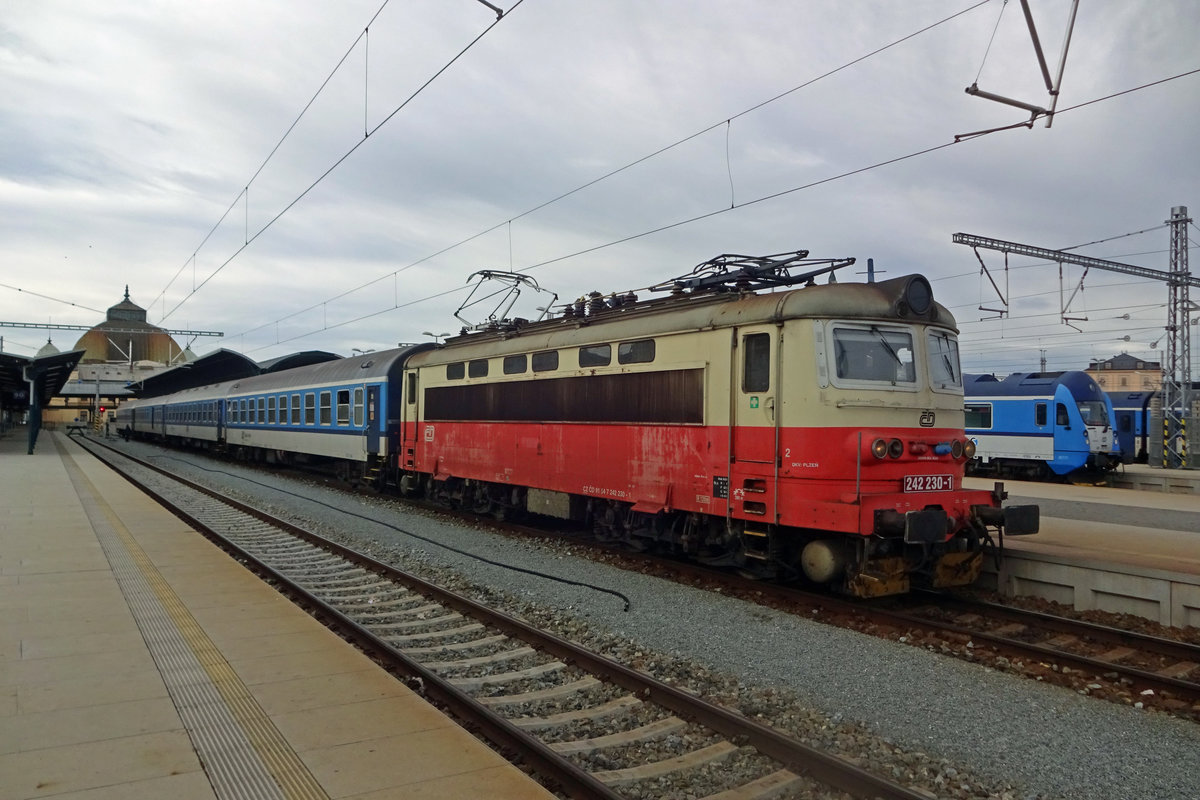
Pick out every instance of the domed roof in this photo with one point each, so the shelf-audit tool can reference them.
(126, 336)
(48, 349)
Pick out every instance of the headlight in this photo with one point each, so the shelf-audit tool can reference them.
(895, 448)
(969, 448)
(956, 449)
(879, 448)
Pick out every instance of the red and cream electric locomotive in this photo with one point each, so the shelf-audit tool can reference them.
(814, 430)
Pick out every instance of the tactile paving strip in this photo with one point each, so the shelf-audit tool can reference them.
(243, 753)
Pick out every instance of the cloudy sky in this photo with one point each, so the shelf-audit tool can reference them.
(327, 175)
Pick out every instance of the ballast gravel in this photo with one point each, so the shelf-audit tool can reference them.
(962, 730)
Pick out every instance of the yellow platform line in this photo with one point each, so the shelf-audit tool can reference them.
(218, 710)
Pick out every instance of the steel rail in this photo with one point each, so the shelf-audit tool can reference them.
(796, 756)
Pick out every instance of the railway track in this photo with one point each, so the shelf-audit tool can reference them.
(1107, 662)
(589, 725)
(1158, 672)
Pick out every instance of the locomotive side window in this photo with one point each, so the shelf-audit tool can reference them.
(978, 415)
(295, 409)
(515, 365)
(1039, 414)
(756, 364)
(874, 354)
(412, 388)
(358, 407)
(598, 355)
(944, 368)
(639, 352)
(456, 371)
(545, 361)
(343, 407)
(310, 409)
(478, 369)
(1060, 415)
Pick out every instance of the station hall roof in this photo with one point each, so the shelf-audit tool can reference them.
(52, 370)
(221, 365)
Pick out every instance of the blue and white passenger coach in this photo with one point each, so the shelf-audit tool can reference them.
(1039, 424)
(338, 410)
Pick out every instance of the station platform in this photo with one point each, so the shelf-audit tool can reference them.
(1147, 478)
(1125, 551)
(137, 660)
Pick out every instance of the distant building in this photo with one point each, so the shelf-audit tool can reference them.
(121, 351)
(1126, 373)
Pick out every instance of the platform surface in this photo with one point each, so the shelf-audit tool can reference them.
(139, 661)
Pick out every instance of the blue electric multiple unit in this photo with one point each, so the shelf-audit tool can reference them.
(1132, 415)
(1039, 424)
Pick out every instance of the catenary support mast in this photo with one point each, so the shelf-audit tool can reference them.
(1177, 371)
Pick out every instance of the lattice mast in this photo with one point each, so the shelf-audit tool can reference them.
(1177, 371)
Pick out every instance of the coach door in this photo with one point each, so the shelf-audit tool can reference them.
(373, 419)
(754, 437)
(408, 450)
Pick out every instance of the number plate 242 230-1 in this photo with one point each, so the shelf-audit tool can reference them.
(928, 483)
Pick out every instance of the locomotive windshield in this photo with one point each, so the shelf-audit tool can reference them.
(874, 354)
(944, 369)
(1094, 412)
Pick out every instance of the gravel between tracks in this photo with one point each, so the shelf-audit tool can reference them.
(971, 731)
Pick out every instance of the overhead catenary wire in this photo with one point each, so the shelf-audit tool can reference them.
(724, 210)
(612, 173)
(337, 163)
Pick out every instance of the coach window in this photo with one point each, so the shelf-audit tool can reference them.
(978, 416)
(515, 365)
(597, 355)
(639, 352)
(1060, 415)
(271, 410)
(456, 371)
(1039, 414)
(326, 417)
(343, 407)
(545, 361)
(262, 411)
(358, 407)
(756, 364)
(295, 409)
(310, 409)
(283, 409)
(477, 369)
